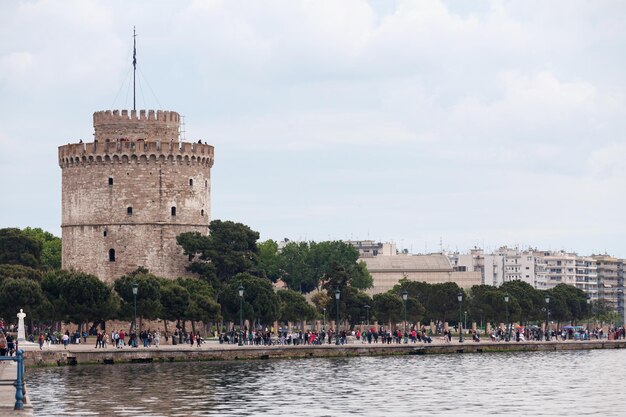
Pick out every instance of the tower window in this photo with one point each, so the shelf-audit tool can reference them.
(105, 233)
(202, 212)
(191, 182)
(111, 255)
(110, 180)
(129, 211)
(173, 211)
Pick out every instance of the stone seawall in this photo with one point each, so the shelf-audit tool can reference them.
(88, 355)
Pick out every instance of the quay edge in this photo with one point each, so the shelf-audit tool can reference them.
(234, 353)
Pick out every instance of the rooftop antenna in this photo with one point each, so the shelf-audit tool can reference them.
(134, 64)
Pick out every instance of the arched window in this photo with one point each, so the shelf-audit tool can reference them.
(110, 180)
(105, 233)
(173, 211)
(202, 212)
(129, 211)
(191, 182)
(111, 255)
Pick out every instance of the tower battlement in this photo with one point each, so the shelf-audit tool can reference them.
(133, 124)
(74, 154)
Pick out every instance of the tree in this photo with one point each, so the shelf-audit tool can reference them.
(21, 293)
(174, 300)
(51, 247)
(229, 249)
(307, 266)
(443, 303)
(294, 267)
(78, 297)
(530, 300)
(148, 294)
(268, 260)
(19, 272)
(387, 307)
(260, 302)
(17, 248)
(202, 305)
(294, 307)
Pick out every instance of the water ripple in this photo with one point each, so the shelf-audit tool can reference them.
(536, 383)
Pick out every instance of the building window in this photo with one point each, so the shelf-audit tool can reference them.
(191, 182)
(129, 211)
(105, 233)
(111, 255)
(173, 211)
(110, 180)
(202, 212)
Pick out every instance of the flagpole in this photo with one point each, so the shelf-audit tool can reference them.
(134, 64)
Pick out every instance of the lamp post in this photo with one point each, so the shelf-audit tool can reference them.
(367, 314)
(465, 319)
(135, 291)
(337, 295)
(547, 299)
(459, 296)
(506, 301)
(324, 322)
(405, 295)
(588, 315)
(240, 314)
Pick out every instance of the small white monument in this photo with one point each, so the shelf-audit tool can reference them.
(21, 334)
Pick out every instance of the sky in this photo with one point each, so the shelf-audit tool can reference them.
(431, 124)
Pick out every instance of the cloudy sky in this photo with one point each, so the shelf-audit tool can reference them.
(474, 123)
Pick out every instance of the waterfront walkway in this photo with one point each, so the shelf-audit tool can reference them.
(8, 371)
(213, 351)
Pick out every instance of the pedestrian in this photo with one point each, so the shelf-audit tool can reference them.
(40, 339)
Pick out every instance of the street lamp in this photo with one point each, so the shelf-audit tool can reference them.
(459, 296)
(506, 301)
(367, 311)
(337, 295)
(324, 322)
(465, 319)
(240, 314)
(547, 299)
(405, 295)
(135, 291)
(588, 315)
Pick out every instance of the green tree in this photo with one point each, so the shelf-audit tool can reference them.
(21, 293)
(20, 272)
(268, 260)
(148, 295)
(260, 302)
(17, 248)
(308, 266)
(530, 300)
(294, 267)
(229, 249)
(294, 307)
(202, 304)
(51, 247)
(175, 300)
(78, 297)
(443, 303)
(387, 307)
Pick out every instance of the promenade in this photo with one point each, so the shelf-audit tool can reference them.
(8, 370)
(77, 354)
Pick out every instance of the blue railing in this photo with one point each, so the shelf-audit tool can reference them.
(18, 383)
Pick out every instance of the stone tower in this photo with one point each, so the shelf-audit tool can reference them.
(129, 193)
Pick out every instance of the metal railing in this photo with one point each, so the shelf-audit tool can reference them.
(18, 382)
